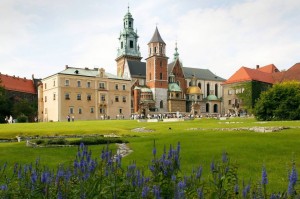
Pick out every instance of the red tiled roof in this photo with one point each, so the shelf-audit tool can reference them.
(271, 68)
(17, 84)
(248, 74)
(292, 73)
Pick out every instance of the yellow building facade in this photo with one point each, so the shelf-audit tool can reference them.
(84, 94)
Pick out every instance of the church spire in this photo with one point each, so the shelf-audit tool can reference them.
(128, 40)
(176, 54)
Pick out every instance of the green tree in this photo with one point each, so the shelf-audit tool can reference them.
(281, 102)
(5, 105)
(23, 108)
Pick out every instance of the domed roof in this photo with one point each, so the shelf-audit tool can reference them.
(174, 87)
(193, 90)
(212, 98)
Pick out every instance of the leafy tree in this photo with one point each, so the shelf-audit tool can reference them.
(281, 102)
(5, 105)
(24, 108)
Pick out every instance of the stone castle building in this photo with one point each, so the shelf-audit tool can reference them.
(83, 94)
(162, 86)
(154, 86)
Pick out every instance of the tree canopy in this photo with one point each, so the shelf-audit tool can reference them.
(281, 102)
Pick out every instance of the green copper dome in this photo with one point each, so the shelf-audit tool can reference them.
(212, 98)
(173, 87)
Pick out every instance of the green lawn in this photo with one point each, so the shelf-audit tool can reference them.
(249, 150)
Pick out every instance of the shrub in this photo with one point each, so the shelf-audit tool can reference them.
(22, 119)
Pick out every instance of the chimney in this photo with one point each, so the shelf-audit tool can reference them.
(67, 66)
(257, 66)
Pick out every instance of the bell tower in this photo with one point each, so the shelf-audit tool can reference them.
(128, 44)
(157, 71)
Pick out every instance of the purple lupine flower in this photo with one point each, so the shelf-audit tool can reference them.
(199, 172)
(224, 157)
(3, 187)
(246, 191)
(292, 181)
(154, 149)
(264, 179)
(275, 196)
(173, 178)
(200, 193)
(34, 177)
(178, 147)
(156, 192)
(81, 145)
(145, 191)
(236, 189)
(212, 166)
(45, 177)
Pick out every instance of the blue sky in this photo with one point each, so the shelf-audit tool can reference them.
(40, 37)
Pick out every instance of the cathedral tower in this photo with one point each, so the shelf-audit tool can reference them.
(157, 71)
(128, 46)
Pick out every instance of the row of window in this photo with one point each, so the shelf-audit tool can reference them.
(88, 97)
(92, 110)
(88, 85)
(236, 91)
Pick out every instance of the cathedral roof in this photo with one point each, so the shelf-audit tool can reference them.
(173, 87)
(88, 73)
(212, 98)
(137, 68)
(13, 83)
(193, 90)
(156, 37)
(199, 73)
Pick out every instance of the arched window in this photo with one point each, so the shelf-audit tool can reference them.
(216, 90)
(199, 85)
(161, 104)
(154, 49)
(215, 108)
(129, 24)
(207, 107)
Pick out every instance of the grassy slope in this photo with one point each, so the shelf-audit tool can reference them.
(250, 150)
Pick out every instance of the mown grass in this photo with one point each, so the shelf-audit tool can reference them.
(201, 142)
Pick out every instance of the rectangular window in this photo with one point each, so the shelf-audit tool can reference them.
(92, 109)
(80, 111)
(131, 44)
(116, 98)
(67, 96)
(103, 98)
(124, 99)
(78, 83)
(117, 87)
(78, 96)
(89, 97)
(102, 85)
(54, 96)
(67, 82)
(71, 110)
(229, 102)
(230, 92)
(88, 84)
(120, 111)
(124, 87)
(160, 76)
(53, 82)
(102, 110)
(45, 98)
